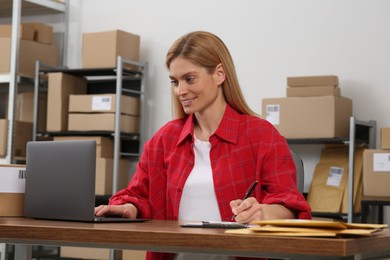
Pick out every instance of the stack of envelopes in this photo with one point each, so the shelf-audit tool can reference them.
(309, 228)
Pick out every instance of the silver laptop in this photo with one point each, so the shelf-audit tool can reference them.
(60, 181)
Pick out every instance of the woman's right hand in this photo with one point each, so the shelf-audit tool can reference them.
(125, 210)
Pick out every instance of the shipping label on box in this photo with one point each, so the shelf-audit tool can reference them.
(273, 114)
(381, 162)
(335, 176)
(12, 188)
(102, 103)
(13, 179)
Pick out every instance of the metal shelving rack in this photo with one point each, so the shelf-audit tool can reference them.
(127, 82)
(360, 133)
(14, 9)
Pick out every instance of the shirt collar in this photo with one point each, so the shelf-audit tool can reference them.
(227, 130)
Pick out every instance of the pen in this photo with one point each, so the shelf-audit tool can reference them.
(248, 193)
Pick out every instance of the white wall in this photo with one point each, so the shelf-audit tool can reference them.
(269, 40)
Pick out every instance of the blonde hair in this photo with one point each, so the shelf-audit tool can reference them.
(207, 50)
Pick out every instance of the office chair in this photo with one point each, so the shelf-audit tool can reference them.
(299, 169)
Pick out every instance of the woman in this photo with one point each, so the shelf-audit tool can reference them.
(198, 166)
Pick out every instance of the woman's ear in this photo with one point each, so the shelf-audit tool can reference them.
(220, 74)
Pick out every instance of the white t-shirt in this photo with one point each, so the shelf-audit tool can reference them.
(198, 201)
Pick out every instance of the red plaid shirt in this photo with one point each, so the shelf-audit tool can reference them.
(243, 149)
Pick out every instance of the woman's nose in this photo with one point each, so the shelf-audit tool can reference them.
(181, 89)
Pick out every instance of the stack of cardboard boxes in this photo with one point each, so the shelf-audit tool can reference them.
(80, 110)
(35, 43)
(376, 167)
(97, 113)
(71, 108)
(23, 121)
(313, 108)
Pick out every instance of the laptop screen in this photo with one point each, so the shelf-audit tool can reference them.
(60, 180)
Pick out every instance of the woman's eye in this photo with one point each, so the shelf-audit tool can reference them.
(190, 79)
(174, 83)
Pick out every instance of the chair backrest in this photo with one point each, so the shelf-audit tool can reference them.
(299, 169)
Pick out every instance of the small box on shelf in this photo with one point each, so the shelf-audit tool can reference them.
(105, 103)
(12, 189)
(60, 86)
(376, 172)
(309, 117)
(100, 49)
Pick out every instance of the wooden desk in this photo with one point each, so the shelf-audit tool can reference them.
(168, 236)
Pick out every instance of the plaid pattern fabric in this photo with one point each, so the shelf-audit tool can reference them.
(243, 149)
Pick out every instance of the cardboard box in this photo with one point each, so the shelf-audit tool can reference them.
(43, 33)
(3, 137)
(23, 134)
(385, 137)
(321, 80)
(3, 105)
(104, 175)
(103, 103)
(88, 253)
(104, 145)
(29, 53)
(38, 32)
(25, 109)
(12, 188)
(133, 255)
(102, 122)
(100, 49)
(313, 91)
(26, 31)
(309, 117)
(376, 172)
(60, 86)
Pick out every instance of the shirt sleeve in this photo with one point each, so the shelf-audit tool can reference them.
(137, 191)
(278, 178)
